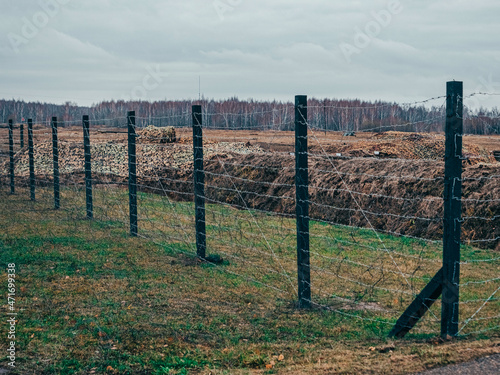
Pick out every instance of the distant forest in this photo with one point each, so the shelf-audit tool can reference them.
(324, 114)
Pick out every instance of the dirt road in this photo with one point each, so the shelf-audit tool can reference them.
(482, 366)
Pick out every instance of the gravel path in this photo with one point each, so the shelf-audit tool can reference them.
(482, 366)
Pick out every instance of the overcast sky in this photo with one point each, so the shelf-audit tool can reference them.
(93, 50)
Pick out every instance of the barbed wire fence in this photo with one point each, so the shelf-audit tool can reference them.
(350, 223)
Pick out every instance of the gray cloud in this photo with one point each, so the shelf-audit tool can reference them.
(102, 49)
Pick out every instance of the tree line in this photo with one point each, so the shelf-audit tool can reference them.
(325, 114)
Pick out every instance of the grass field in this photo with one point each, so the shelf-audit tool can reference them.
(93, 300)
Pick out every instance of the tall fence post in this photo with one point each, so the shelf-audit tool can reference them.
(447, 280)
(199, 182)
(88, 167)
(302, 202)
(11, 155)
(21, 135)
(132, 173)
(55, 154)
(31, 158)
(452, 208)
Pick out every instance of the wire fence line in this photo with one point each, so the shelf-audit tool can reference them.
(374, 218)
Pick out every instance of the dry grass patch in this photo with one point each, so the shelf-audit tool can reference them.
(94, 299)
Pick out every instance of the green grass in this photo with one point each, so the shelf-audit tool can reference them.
(95, 300)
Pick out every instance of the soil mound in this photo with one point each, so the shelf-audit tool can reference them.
(153, 134)
(401, 145)
(399, 190)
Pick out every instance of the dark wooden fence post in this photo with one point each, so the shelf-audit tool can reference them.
(31, 158)
(302, 201)
(199, 182)
(55, 154)
(132, 173)
(88, 167)
(452, 208)
(11, 155)
(21, 135)
(447, 279)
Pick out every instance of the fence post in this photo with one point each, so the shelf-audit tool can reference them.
(302, 201)
(11, 155)
(447, 279)
(132, 173)
(452, 208)
(88, 166)
(55, 154)
(31, 159)
(21, 134)
(199, 182)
